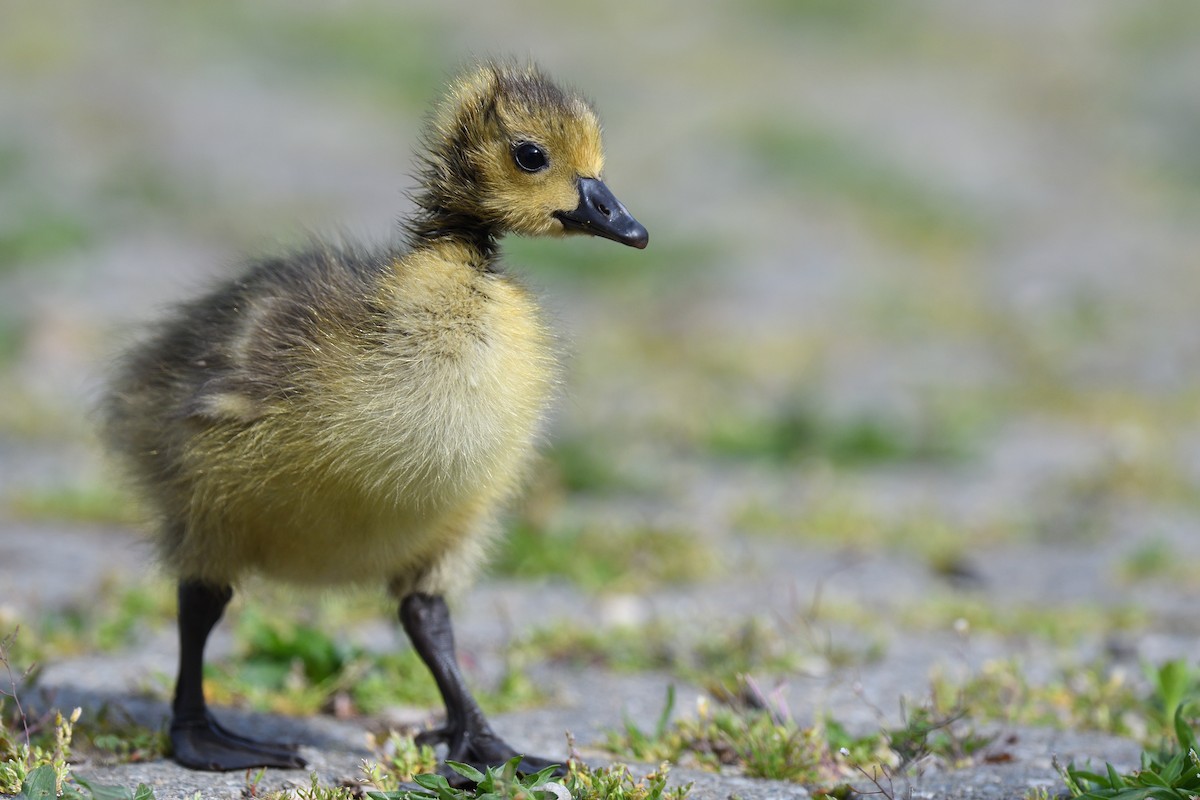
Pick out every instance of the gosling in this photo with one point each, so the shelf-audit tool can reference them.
(342, 416)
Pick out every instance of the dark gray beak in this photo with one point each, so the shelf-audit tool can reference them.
(601, 214)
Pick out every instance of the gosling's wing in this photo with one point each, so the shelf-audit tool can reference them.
(264, 337)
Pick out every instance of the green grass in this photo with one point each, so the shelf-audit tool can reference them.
(617, 782)
(1060, 624)
(394, 58)
(41, 234)
(606, 559)
(760, 740)
(906, 208)
(759, 744)
(29, 768)
(1153, 474)
(834, 17)
(114, 617)
(799, 429)
(1155, 41)
(398, 758)
(29, 415)
(581, 783)
(13, 332)
(632, 648)
(1171, 773)
(291, 667)
(839, 519)
(400, 770)
(717, 653)
(582, 465)
(85, 502)
(601, 264)
(1153, 30)
(36, 228)
(1174, 775)
(36, 751)
(1080, 698)
(110, 737)
(1156, 559)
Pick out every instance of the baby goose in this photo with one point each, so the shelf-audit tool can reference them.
(341, 416)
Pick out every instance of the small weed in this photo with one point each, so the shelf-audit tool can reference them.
(760, 743)
(591, 267)
(29, 415)
(113, 618)
(580, 465)
(607, 559)
(930, 732)
(830, 17)
(625, 648)
(399, 759)
(642, 745)
(26, 763)
(117, 739)
(1171, 774)
(1157, 560)
(42, 784)
(1174, 684)
(1052, 624)
(1082, 698)
(352, 51)
(41, 234)
(616, 782)
(97, 503)
(838, 519)
(752, 645)
(799, 430)
(894, 202)
(291, 667)
(13, 333)
(1088, 699)
(402, 761)
(35, 751)
(35, 754)
(712, 656)
(496, 782)
(1083, 505)
(315, 791)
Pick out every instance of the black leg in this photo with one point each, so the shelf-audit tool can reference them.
(198, 740)
(467, 734)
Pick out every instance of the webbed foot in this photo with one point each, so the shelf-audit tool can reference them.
(203, 743)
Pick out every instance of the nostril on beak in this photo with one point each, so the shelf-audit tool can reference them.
(603, 209)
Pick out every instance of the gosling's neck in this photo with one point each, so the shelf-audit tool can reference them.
(429, 230)
(447, 211)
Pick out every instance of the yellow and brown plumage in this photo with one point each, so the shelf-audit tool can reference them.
(343, 416)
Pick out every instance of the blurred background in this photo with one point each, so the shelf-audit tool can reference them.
(913, 356)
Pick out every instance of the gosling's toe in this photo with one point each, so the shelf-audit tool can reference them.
(204, 744)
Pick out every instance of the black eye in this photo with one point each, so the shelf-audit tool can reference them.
(530, 157)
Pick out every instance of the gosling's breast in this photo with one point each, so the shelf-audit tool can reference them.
(462, 379)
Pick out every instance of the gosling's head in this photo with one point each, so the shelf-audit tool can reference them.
(508, 150)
